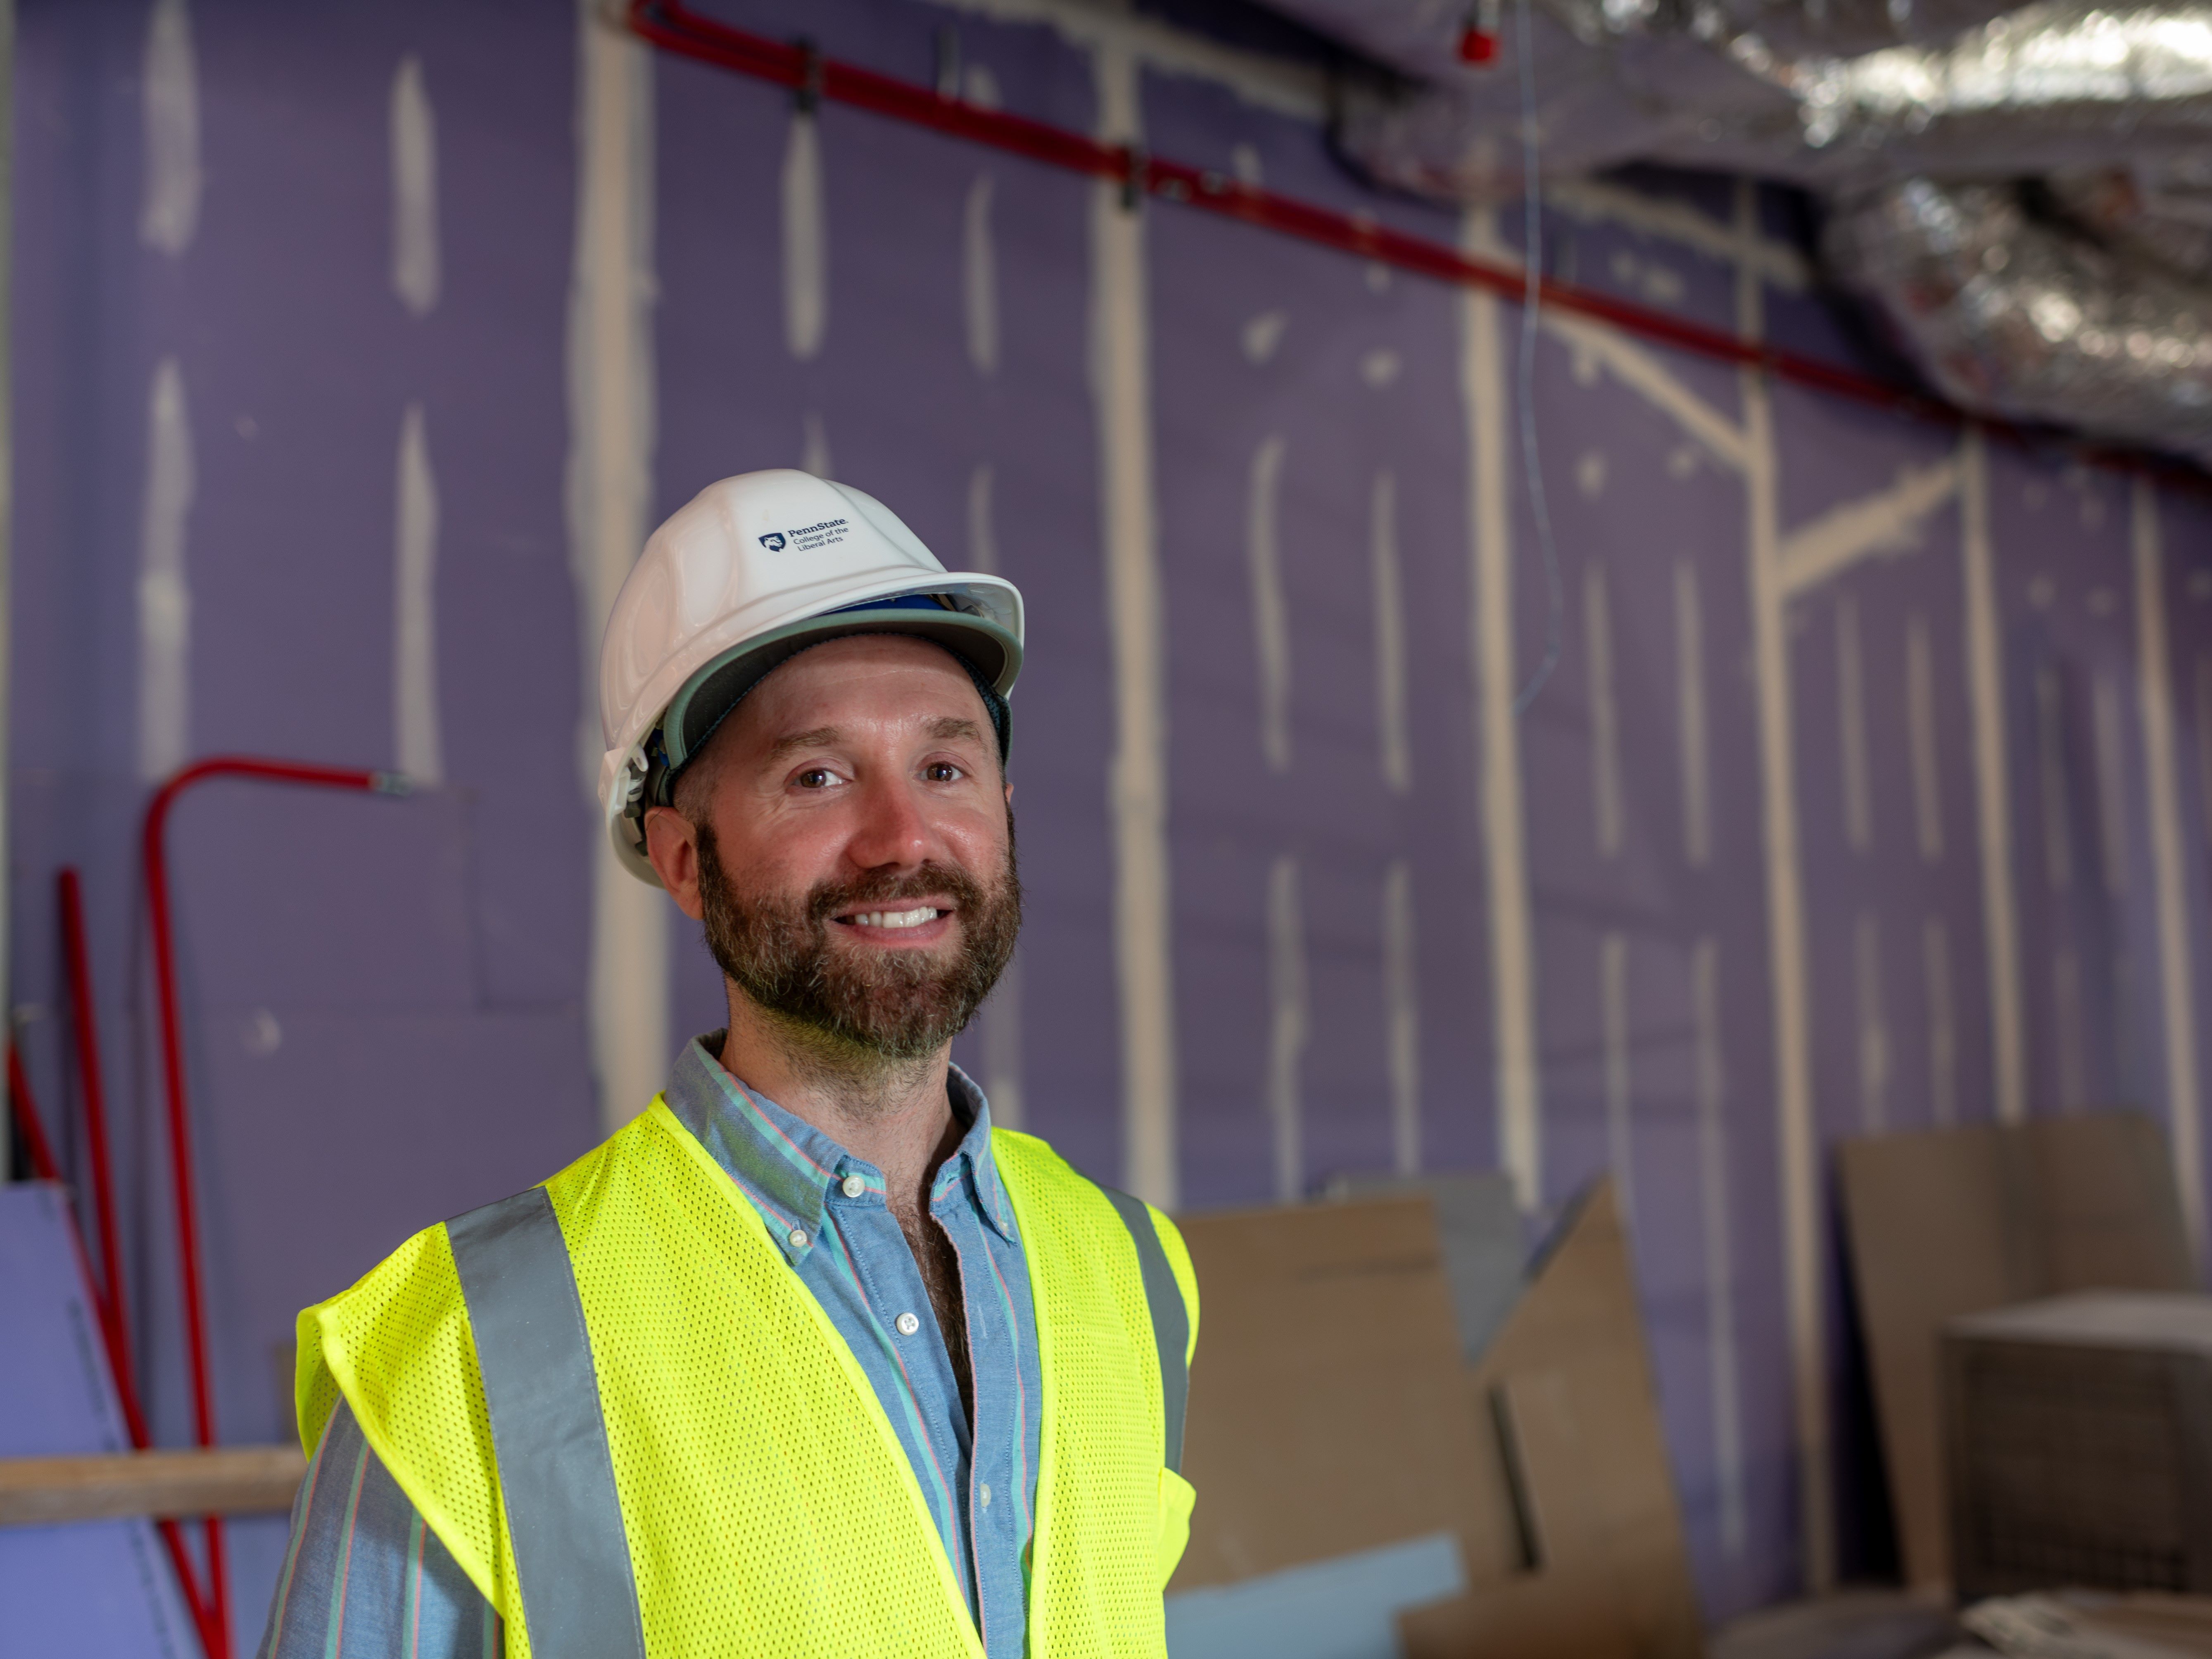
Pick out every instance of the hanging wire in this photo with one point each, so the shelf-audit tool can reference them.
(1532, 264)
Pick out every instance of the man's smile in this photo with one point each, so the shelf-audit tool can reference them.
(910, 924)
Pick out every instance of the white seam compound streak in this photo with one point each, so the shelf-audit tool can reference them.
(805, 239)
(1287, 1027)
(1619, 1076)
(1720, 1262)
(165, 603)
(1851, 734)
(1513, 960)
(1394, 743)
(2176, 980)
(1993, 810)
(170, 97)
(978, 277)
(1920, 717)
(1888, 521)
(2109, 721)
(1120, 353)
(1942, 1022)
(415, 260)
(1604, 714)
(1270, 610)
(982, 517)
(2056, 793)
(1874, 1026)
(611, 415)
(1000, 1019)
(1642, 371)
(1693, 747)
(418, 743)
(1403, 1011)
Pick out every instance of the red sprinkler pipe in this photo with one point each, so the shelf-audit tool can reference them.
(71, 902)
(173, 1074)
(26, 1113)
(675, 27)
(115, 1327)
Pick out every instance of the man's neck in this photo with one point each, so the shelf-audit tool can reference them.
(896, 1116)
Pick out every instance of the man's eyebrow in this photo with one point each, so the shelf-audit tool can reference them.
(820, 738)
(947, 727)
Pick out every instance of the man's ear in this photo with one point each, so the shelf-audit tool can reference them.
(671, 845)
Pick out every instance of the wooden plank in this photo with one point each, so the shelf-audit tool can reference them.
(40, 1491)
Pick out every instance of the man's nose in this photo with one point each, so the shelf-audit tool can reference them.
(892, 830)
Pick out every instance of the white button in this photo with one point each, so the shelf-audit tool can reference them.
(984, 1497)
(908, 1324)
(854, 1185)
(797, 1239)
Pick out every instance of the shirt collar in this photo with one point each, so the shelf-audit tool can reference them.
(791, 1168)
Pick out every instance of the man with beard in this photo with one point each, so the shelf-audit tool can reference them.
(809, 1359)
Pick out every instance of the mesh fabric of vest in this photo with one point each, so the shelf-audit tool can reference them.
(769, 1505)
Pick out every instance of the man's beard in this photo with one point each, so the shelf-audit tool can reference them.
(860, 1003)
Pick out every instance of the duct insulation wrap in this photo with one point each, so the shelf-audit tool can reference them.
(2026, 193)
(2061, 84)
(2009, 309)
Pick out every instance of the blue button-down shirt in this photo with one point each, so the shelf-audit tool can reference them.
(365, 1579)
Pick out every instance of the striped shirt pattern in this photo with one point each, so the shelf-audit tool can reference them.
(365, 1579)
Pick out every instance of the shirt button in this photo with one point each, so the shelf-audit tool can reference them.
(908, 1324)
(798, 1236)
(854, 1185)
(984, 1497)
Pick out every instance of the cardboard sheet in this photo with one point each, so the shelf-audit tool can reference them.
(1958, 1221)
(1568, 1386)
(1328, 1405)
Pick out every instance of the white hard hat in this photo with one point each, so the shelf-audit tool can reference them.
(747, 574)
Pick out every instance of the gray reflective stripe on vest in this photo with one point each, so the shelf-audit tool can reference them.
(1170, 1317)
(571, 1554)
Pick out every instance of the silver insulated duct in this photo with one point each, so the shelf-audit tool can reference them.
(2008, 310)
(2024, 193)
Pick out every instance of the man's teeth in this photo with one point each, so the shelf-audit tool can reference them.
(895, 918)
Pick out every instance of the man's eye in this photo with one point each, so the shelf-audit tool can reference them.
(816, 777)
(941, 772)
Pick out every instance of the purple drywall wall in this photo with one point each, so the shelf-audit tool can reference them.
(386, 1000)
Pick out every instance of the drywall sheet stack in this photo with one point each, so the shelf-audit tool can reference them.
(1961, 1221)
(94, 1589)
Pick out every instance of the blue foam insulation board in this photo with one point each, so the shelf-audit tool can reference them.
(1345, 1607)
(92, 1589)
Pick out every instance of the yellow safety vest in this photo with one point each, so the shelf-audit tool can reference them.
(767, 1505)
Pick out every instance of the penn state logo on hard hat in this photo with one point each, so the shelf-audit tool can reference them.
(773, 541)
